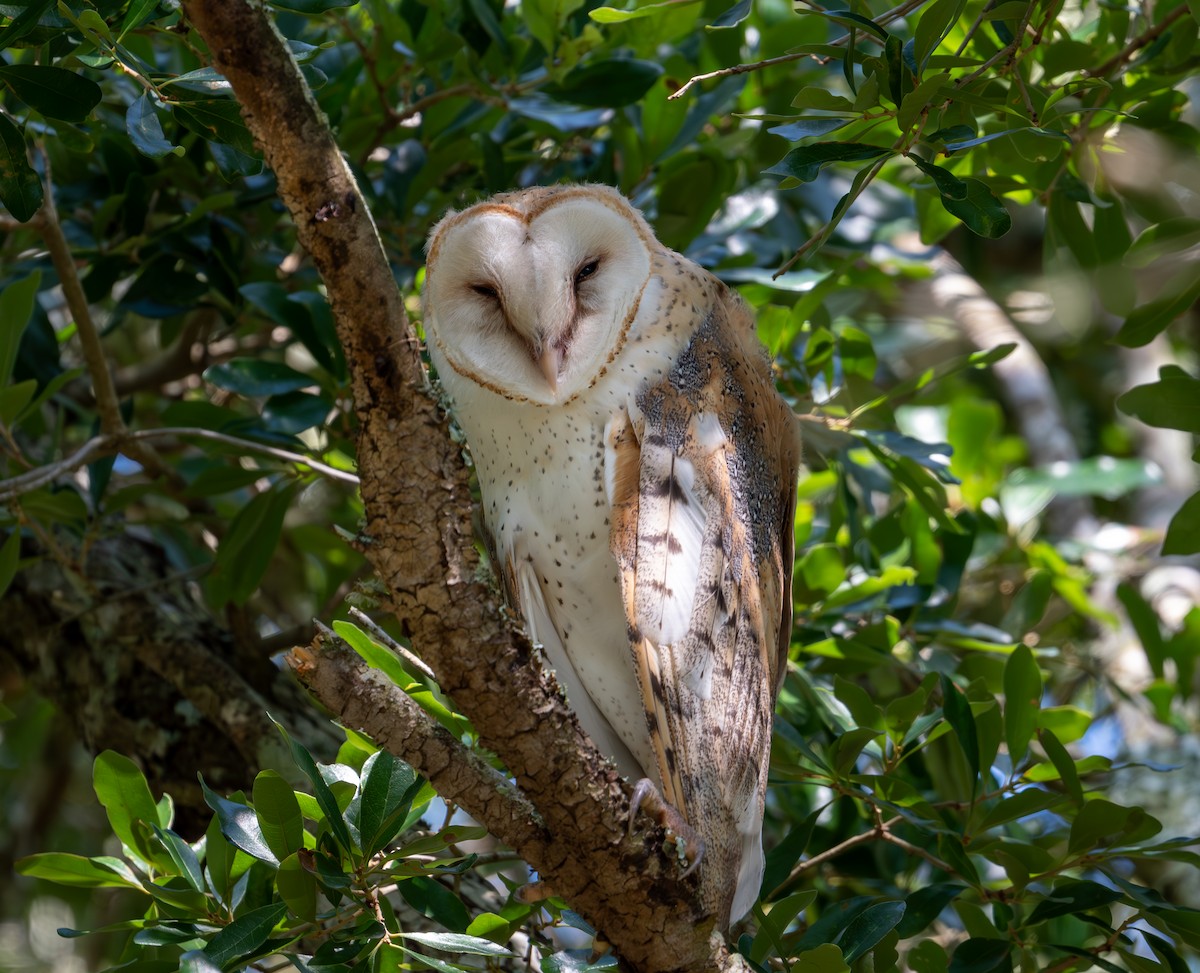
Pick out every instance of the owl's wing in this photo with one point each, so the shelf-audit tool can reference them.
(702, 478)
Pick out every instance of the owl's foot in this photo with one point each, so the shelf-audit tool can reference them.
(688, 843)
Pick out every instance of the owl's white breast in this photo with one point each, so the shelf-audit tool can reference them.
(541, 473)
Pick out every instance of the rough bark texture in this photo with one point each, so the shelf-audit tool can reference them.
(415, 490)
(132, 658)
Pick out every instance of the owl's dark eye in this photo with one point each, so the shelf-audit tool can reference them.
(586, 271)
(486, 290)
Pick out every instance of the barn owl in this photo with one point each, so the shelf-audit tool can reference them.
(638, 472)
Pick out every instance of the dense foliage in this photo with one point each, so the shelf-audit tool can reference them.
(954, 728)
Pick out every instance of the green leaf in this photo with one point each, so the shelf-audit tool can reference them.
(982, 956)
(16, 308)
(858, 701)
(1146, 624)
(218, 120)
(923, 906)
(278, 814)
(1062, 763)
(145, 129)
(928, 956)
(611, 15)
(1069, 723)
(23, 21)
(931, 29)
(256, 378)
(453, 942)
(958, 714)
(121, 787)
(868, 928)
(1022, 700)
(804, 128)
(980, 210)
(1183, 533)
(822, 99)
(245, 551)
(1072, 897)
(243, 937)
(1102, 823)
(848, 19)
(219, 856)
(75, 870)
(1163, 239)
(611, 83)
(240, 825)
(1066, 224)
(826, 958)
(784, 855)
(195, 961)
(492, 927)
(435, 901)
(1102, 476)
(1169, 403)
(806, 162)
(55, 92)
(1147, 321)
(297, 887)
(773, 925)
(20, 187)
(325, 799)
(138, 13)
(948, 184)
(15, 398)
(1031, 800)
(822, 568)
(916, 101)
(970, 143)
(186, 862)
(388, 786)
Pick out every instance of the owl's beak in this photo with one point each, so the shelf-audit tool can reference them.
(550, 362)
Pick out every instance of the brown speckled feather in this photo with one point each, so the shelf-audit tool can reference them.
(702, 531)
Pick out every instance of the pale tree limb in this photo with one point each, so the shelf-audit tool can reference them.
(107, 404)
(419, 538)
(1022, 377)
(110, 443)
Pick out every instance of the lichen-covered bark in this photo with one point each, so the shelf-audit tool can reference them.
(136, 663)
(415, 490)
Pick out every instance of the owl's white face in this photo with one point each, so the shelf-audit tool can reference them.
(532, 294)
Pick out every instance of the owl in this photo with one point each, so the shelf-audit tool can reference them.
(638, 473)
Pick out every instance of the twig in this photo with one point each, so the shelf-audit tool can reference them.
(1119, 60)
(917, 850)
(880, 831)
(107, 404)
(843, 207)
(380, 635)
(106, 444)
(885, 18)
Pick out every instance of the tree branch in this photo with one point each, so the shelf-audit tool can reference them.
(108, 444)
(415, 489)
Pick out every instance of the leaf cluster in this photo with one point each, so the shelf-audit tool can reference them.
(288, 873)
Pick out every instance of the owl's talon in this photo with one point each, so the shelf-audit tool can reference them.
(690, 845)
